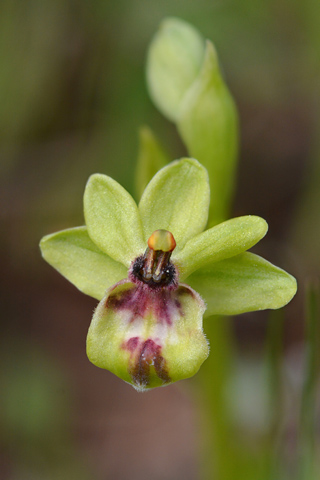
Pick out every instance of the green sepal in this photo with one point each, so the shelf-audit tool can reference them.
(241, 284)
(174, 60)
(148, 338)
(177, 199)
(151, 158)
(113, 219)
(222, 241)
(77, 258)
(208, 125)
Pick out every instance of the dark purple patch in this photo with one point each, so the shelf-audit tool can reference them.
(131, 344)
(164, 304)
(133, 299)
(143, 354)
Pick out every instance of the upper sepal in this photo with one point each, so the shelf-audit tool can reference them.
(148, 338)
(177, 200)
(113, 219)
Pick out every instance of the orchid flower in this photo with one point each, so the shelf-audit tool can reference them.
(157, 273)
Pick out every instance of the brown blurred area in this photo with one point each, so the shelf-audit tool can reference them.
(72, 97)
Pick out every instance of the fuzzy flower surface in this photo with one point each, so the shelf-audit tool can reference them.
(157, 272)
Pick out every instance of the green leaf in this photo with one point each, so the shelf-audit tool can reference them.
(151, 158)
(174, 61)
(241, 284)
(78, 259)
(176, 199)
(112, 219)
(208, 125)
(222, 241)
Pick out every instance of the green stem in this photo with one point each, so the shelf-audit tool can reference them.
(307, 440)
(274, 358)
(217, 453)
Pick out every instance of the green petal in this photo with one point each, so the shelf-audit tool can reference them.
(112, 219)
(78, 259)
(208, 125)
(241, 284)
(148, 338)
(177, 199)
(150, 159)
(222, 241)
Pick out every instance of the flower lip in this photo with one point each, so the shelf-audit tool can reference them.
(154, 269)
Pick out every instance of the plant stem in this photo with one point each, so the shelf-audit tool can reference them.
(307, 441)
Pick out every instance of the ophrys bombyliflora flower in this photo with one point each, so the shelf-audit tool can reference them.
(147, 328)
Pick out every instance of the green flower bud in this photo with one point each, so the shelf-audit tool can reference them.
(185, 83)
(174, 60)
(208, 125)
(151, 158)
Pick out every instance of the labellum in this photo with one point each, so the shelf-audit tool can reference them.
(148, 328)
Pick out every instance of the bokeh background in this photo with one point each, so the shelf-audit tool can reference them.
(72, 99)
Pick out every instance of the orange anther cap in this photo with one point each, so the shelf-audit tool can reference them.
(162, 240)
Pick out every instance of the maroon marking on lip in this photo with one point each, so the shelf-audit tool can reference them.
(133, 299)
(138, 299)
(164, 306)
(131, 344)
(143, 354)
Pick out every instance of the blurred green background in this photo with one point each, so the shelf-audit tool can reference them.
(72, 99)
